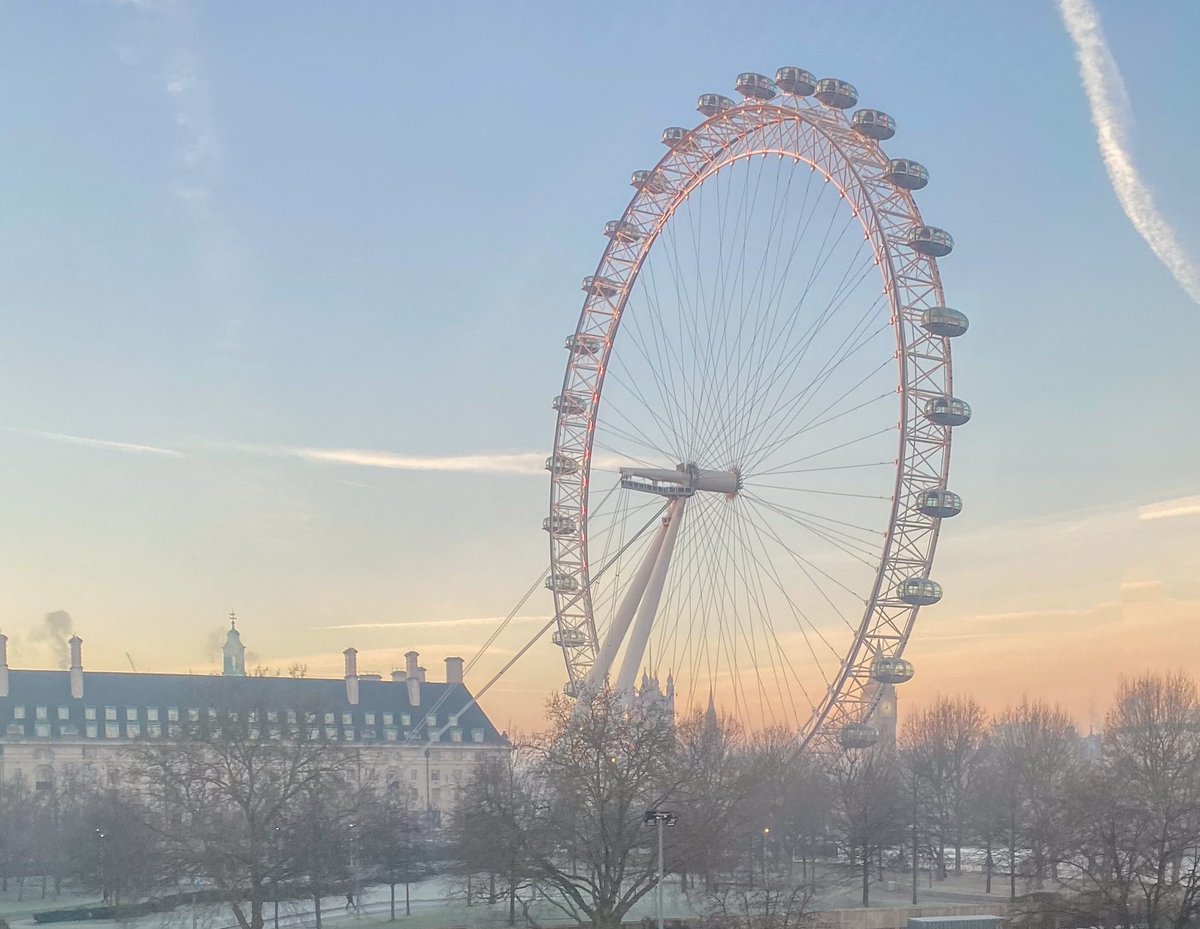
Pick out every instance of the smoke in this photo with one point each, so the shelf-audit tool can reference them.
(53, 632)
(1109, 104)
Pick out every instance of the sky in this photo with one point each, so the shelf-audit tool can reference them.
(283, 291)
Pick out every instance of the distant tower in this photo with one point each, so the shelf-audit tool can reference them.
(884, 717)
(234, 650)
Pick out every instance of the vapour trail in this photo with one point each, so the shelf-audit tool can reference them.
(1109, 104)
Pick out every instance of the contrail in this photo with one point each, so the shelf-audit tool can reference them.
(107, 444)
(1110, 115)
(518, 463)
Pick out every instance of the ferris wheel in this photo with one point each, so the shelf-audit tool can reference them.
(752, 444)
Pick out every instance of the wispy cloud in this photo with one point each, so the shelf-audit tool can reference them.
(1109, 104)
(1169, 509)
(106, 444)
(441, 623)
(499, 463)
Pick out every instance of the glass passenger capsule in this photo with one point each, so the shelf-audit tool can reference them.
(906, 174)
(919, 591)
(562, 581)
(623, 230)
(673, 135)
(944, 321)
(841, 95)
(600, 285)
(795, 82)
(941, 504)
(559, 525)
(755, 86)
(874, 124)
(562, 464)
(712, 104)
(889, 670)
(568, 638)
(947, 411)
(857, 735)
(586, 343)
(570, 404)
(647, 180)
(931, 241)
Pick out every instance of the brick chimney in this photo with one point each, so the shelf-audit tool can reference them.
(3, 665)
(76, 644)
(454, 670)
(413, 676)
(398, 677)
(351, 675)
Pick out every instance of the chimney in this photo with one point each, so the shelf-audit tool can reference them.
(454, 670)
(3, 665)
(410, 663)
(76, 644)
(351, 675)
(399, 676)
(421, 675)
(413, 677)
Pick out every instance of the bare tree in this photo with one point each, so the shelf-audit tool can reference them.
(869, 807)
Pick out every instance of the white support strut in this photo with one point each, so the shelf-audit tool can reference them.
(640, 635)
(629, 605)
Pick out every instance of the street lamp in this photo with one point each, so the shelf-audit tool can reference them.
(662, 818)
(101, 836)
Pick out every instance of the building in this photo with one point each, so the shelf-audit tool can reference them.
(422, 738)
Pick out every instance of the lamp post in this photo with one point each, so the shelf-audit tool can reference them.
(661, 818)
(766, 884)
(101, 836)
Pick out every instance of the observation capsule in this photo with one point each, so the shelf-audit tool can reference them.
(571, 404)
(874, 124)
(944, 321)
(568, 638)
(562, 464)
(569, 686)
(857, 735)
(563, 582)
(622, 230)
(947, 411)
(600, 285)
(889, 670)
(647, 180)
(841, 95)
(941, 504)
(712, 104)
(756, 86)
(906, 174)
(584, 344)
(919, 591)
(931, 241)
(795, 82)
(673, 135)
(559, 525)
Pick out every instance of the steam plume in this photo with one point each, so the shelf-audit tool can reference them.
(53, 632)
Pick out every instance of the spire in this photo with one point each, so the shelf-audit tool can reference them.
(234, 652)
(710, 714)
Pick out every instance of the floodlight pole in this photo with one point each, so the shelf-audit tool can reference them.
(660, 818)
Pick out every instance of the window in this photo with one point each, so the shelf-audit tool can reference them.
(18, 712)
(133, 730)
(193, 714)
(41, 730)
(431, 720)
(154, 730)
(152, 714)
(64, 712)
(68, 730)
(91, 730)
(175, 730)
(291, 717)
(388, 719)
(110, 712)
(329, 719)
(437, 796)
(436, 776)
(314, 733)
(131, 714)
(112, 731)
(349, 735)
(455, 735)
(405, 719)
(412, 775)
(42, 712)
(347, 719)
(172, 714)
(370, 719)
(89, 712)
(272, 716)
(476, 735)
(17, 729)
(390, 733)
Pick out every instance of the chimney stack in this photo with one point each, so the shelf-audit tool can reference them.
(412, 675)
(3, 665)
(351, 675)
(398, 677)
(454, 670)
(76, 644)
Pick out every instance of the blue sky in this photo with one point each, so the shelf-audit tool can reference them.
(230, 230)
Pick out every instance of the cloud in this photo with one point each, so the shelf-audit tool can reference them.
(1109, 104)
(502, 463)
(1169, 509)
(107, 444)
(441, 623)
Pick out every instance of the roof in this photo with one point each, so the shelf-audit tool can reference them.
(125, 691)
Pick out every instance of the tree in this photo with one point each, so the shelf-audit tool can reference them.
(605, 760)
(393, 843)
(236, 802)
(109, 847)
(869, 807)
